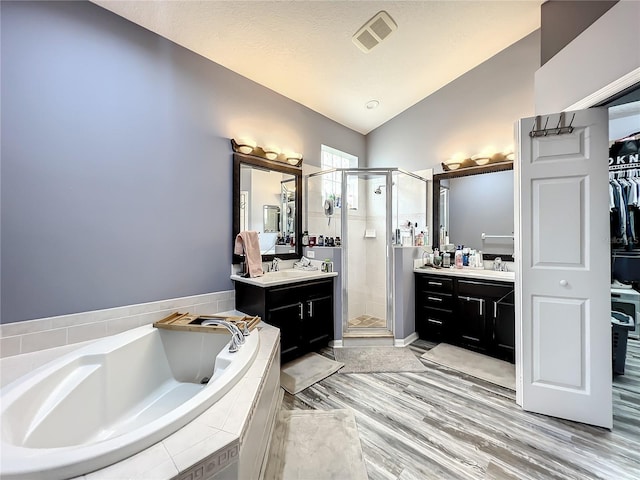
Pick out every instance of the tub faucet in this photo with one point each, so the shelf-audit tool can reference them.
(237, 338)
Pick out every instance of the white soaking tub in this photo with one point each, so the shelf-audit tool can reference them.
(113, 398)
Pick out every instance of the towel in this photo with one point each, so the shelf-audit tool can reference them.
(248, 244)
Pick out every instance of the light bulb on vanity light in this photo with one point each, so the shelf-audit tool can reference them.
(245, 145)
(455, 161)
(271, 152)
(293, 158)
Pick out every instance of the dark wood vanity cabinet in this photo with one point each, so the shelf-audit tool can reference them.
(434, 307)
(302, 311)
(475, 314)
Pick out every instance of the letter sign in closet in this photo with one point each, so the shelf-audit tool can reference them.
(563, 321)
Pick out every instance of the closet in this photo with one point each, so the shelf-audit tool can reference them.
(624, 207)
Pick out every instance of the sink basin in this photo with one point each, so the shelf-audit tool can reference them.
(290, 273)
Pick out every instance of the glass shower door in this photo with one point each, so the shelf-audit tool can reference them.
(366, 301)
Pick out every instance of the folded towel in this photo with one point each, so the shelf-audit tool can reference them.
(247, 243)
(304, 264)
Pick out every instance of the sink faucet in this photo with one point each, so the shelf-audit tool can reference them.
(237, 338)
(275, 264)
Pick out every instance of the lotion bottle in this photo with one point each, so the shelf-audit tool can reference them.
(458, 257)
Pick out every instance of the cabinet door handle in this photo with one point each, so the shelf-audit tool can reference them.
(434, 299)
(301, 310)
(439, 284)
(437, 322)
(310, 308)
(495, 309)
(479, 300)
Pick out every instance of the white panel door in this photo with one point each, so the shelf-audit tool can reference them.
(562, 248)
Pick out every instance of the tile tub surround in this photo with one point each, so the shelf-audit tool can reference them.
(213, 443)
(45, 333)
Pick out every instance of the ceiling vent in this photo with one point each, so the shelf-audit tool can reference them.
(374, 31)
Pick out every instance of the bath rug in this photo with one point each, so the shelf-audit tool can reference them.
(378, 359)
(315, 445)
(474, 364)
(303, 372)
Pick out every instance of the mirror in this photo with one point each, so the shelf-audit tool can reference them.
(469, 202)
(265, 199)
(271, 219)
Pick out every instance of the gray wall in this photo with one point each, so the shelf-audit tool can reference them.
(563, 20)
(482, 203)
(474, 111)
(116, 164)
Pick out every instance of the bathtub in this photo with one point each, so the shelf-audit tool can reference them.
(113, 398)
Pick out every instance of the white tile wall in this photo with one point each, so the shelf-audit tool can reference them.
(43, 333)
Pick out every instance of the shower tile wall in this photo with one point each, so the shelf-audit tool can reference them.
(375, 248)
(359, 281)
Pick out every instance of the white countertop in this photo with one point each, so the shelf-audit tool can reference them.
(466, 272)
(283, 277)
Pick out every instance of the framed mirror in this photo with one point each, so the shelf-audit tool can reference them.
(267, 199)
(470, 201)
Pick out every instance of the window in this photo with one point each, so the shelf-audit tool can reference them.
(332, 183)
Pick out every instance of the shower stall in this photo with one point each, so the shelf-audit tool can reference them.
(372, 211)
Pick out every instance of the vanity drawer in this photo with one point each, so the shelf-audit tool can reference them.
(430, 283)
(479, 288)
(442, 301)
(433, 324)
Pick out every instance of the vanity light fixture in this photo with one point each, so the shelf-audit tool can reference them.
(294, 158)
(454, 162)
(272, 153)
(244, 145)
(480, 159)
(486, 157)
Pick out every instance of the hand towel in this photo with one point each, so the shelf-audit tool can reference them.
(247, 243)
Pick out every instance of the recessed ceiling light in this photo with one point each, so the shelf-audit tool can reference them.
(371, 104)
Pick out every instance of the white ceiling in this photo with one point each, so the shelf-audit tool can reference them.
(303, 49)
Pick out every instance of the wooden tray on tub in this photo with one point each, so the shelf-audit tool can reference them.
(192, 322)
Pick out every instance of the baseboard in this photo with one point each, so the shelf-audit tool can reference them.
(403, 342)
(368, 342)
(335, 343)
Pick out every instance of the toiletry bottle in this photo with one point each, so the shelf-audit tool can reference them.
(446, 259)
(320, 241)
(305, 238)
(458, 257)
(465, 257)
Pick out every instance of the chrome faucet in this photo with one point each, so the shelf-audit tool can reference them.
(237, 338)
(275, 264)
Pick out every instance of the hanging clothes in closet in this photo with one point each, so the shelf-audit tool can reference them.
(624, 193)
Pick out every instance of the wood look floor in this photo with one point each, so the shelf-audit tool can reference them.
(444, 425)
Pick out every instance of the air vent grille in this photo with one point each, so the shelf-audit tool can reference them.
(374, 31)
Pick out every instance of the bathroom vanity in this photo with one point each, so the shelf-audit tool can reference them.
(300, 304)
(473, 309)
